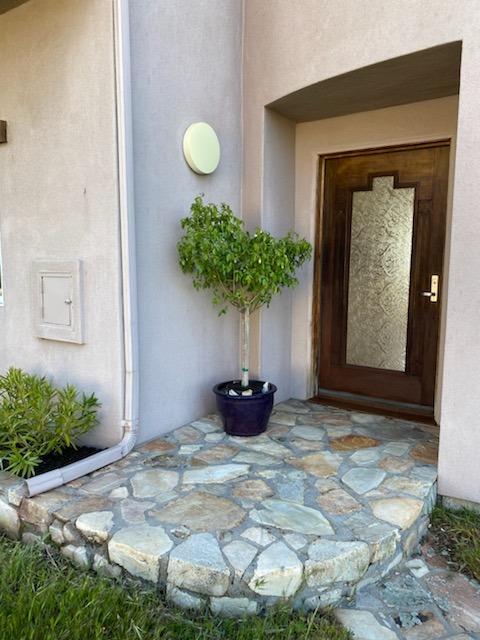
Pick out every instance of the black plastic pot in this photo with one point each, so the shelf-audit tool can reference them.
(244, 415)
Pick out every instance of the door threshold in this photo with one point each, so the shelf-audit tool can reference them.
(378, 406)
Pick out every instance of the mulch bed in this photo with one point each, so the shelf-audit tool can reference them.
(54, 461)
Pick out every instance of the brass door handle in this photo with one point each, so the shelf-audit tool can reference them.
(433, 293)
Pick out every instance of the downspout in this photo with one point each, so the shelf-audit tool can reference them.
(58, 477)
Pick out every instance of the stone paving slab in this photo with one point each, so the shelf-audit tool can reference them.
(326, 502)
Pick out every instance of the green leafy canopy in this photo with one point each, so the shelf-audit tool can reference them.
(243, 269)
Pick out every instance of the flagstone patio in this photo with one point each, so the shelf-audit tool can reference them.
(326, 501)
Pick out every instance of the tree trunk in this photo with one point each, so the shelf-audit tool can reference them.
(245, 323)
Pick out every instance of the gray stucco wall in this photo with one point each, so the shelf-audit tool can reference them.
(278, 218)
(186, 67)
(58, 189)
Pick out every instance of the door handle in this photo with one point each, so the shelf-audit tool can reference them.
(433, 293)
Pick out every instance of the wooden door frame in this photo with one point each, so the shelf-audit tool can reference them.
(375, 405)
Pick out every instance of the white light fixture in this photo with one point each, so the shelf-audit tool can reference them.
(201, 148)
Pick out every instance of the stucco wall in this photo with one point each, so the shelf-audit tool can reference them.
(186, 67)
(288, 47)
(278, 217)
(58, 189)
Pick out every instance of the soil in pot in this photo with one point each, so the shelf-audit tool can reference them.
(256, 387)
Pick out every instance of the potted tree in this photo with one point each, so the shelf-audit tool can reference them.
(245, 271)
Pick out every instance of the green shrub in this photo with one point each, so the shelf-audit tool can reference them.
(37, 418)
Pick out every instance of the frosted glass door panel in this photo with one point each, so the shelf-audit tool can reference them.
(379, 275)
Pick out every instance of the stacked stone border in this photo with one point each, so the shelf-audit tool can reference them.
(326, 502)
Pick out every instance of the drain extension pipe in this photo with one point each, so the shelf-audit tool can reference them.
(58, 477)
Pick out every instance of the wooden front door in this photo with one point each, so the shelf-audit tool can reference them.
(382, 244)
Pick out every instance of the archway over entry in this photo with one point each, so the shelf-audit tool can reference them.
(422, 75)
(405, 100)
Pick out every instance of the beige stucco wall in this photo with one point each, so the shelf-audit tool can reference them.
(58, 188)
(291, 45)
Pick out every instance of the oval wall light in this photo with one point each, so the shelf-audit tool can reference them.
(201, 148)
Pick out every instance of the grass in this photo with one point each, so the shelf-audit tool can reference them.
(458, 533)
(43, 598)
